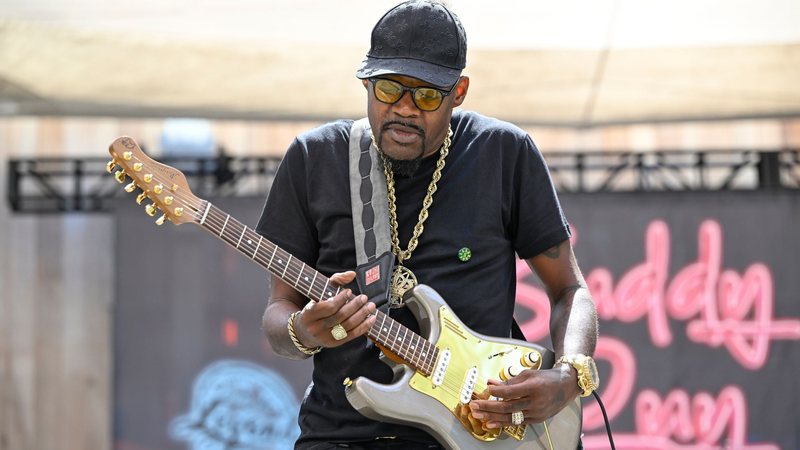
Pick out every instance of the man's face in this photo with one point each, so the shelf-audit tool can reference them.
(403, 131)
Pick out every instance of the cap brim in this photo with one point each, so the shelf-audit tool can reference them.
(429, 73)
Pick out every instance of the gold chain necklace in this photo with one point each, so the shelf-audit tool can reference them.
(403, 278)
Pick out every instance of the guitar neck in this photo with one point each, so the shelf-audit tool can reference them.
(412, 348)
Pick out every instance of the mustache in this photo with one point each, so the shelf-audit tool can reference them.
(413, 126)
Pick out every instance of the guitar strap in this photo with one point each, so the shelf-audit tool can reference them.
(516, 331)
(370, 207)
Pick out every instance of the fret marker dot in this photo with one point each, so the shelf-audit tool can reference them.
(306, 278)
(280, 261)
(250, 241)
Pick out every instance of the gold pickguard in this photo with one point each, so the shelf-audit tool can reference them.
(467, 351)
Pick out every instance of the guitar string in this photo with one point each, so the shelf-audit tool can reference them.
(451, 387)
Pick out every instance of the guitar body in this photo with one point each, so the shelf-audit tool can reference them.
(413, 399)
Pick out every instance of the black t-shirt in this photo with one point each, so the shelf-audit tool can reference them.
(495, 198)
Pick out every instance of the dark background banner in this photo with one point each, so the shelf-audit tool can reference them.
(697, 294)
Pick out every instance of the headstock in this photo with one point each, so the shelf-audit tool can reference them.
(165, 186)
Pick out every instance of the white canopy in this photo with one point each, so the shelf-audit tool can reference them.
(570, 62)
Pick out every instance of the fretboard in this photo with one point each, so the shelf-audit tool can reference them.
(412, 348)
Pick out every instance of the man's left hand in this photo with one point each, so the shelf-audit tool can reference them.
(538, 394)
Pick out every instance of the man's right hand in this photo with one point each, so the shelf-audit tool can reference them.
(355, 314)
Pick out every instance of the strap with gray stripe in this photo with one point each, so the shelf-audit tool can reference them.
(370, 207)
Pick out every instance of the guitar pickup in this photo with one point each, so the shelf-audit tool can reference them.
(441, 367)
(469, 385)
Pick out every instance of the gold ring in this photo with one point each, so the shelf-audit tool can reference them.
(338, 332)
(517, 417)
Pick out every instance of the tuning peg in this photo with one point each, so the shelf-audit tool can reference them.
(110, 166)
(127, 156)
(158, 188)
(178, 212)
(130, 187)
(150, 210)
(168, 200)
(138, 167)
(140, 198)
(120, 176)
(148, 177)
(160, 220)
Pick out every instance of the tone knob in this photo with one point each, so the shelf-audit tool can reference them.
(532, 359)
(509, 372)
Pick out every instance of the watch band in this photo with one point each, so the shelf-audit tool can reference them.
(588, 379)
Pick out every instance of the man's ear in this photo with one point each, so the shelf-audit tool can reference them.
(365, 82)
(460, 91)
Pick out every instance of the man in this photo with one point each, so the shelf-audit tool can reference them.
(466, 204)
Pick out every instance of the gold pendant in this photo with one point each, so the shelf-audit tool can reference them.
(403, 279)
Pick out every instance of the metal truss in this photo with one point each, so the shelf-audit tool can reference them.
(58, 185)
(675, 171)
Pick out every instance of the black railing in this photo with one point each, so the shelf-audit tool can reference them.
(45, 185)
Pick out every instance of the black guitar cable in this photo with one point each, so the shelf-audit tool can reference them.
(605, 418)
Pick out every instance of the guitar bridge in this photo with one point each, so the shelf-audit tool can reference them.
(516, 431)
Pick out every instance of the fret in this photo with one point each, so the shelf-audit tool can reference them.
(283, 275)
(224, 224)
(240, 237)
(312, 283)
(205, 213)
(325, 289)
(274, 250)
(403, 343)
(391, 335)
(415, 348)
(253, 256)
(297, 282)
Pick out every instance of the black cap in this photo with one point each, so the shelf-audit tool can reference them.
(421, 39)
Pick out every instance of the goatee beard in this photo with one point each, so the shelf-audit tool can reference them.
(403, 167)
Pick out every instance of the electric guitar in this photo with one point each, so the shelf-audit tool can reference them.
(436, 374)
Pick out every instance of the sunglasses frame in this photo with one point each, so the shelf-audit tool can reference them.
(413, 91)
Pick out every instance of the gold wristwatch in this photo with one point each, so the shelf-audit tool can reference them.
(588, 377)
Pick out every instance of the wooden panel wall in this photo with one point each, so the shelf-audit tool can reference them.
(56, 274)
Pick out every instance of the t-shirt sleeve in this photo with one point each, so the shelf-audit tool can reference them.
(537, 220)
(286, 219)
